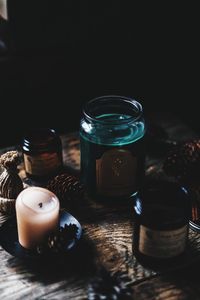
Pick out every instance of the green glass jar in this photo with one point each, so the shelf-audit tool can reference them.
(112, 133)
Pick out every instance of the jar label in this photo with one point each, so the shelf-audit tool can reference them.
(162, 243)
(116, 173)
(42, 164)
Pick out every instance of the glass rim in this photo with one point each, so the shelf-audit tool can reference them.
(128, 100)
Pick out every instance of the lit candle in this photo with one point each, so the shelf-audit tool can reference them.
(37, 211)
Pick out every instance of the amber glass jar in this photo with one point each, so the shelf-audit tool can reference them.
(161, 219)
(42, 152)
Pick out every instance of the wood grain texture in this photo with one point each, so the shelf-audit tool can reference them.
(107, 243)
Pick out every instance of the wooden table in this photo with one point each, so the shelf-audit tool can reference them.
(105, 252)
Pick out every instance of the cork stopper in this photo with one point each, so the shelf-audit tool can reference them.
(10, 182)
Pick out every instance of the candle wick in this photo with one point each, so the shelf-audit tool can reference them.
(40, 204)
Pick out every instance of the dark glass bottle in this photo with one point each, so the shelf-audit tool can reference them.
(112, 147)
(161, 219)
(42, 152)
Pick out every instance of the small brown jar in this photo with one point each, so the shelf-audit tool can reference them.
(42, 152)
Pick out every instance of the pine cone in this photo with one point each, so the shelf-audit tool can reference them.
(110, 286)
(67, 187)
(184, 161)
(58, 242)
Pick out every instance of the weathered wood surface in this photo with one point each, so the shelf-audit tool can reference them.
(107, 244)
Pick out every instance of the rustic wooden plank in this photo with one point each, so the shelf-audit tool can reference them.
(177, 285)
(107, 244)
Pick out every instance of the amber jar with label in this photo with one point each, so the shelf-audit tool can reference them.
(42, 152)
(112, 130)
(161, 221)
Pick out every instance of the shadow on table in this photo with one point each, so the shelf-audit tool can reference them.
(77, 265)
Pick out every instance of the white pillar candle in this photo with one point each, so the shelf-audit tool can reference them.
(3, 9)
(37, 211)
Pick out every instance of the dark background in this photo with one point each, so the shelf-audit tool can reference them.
(60, 54)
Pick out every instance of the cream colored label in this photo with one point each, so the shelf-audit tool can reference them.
(41, 164)
(116, 172)
(162, 243)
